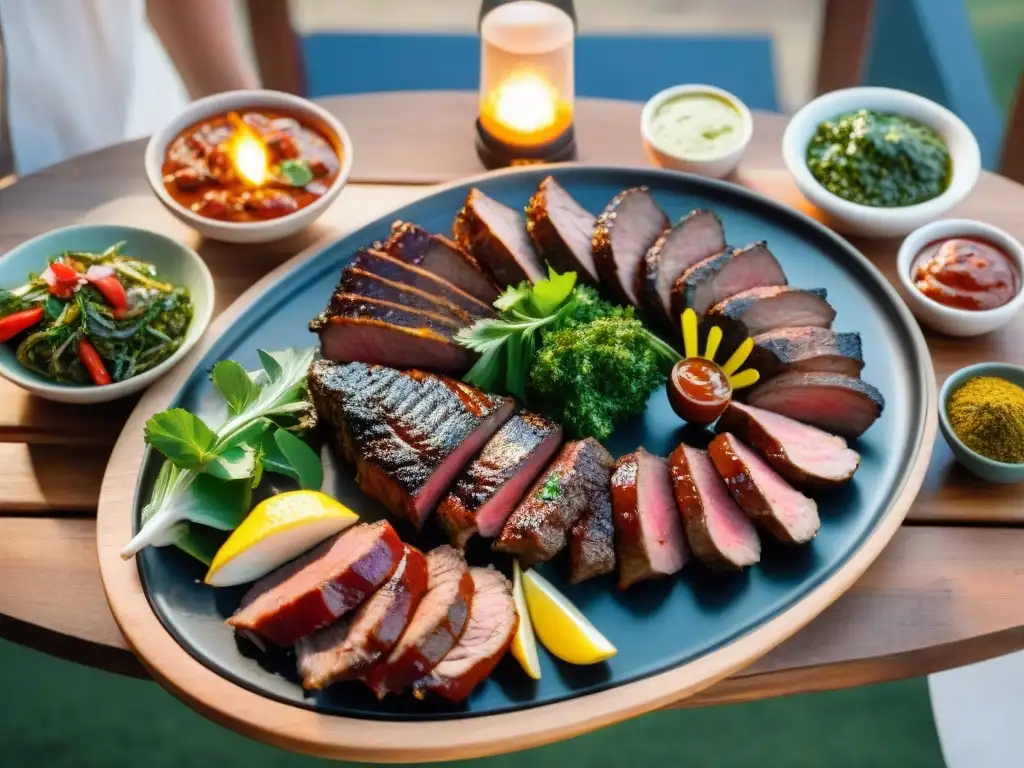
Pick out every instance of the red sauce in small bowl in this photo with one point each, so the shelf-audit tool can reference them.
(965, 273)
(698, 390)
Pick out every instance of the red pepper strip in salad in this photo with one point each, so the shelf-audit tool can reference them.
(106, 281)
(14, 324)
(62, 279)
(93, 363)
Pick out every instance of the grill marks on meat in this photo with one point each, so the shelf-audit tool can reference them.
(392, 268)
(321, 586)
(441, 257)
(725, 274)
(697, 237)
(538, 528)
(347, 649)
(812, 350)
(436, 625)
(408, 433)
(718, 531)
(649, 537)
(486, 491)
(492, 625)
(592, 541)
(561, 230)
(842, 405)
(362, 283)
(496, 236)
(769, 500)
(352, 305)
(760, 310)
(625, 231)
(804, 455)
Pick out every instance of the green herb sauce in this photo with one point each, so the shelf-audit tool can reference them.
(885, 161)
(697, 125)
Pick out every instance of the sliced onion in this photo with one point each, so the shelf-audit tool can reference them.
(48, 277)
(98, 272)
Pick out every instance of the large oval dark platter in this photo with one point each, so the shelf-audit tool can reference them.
(655, 625)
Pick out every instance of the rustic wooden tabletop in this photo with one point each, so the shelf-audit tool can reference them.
(946, 592)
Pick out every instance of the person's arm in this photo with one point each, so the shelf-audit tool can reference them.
(201, 38)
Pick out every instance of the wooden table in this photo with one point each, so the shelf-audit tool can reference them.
(948, 591)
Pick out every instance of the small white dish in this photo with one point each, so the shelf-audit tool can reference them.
(174, 262)
(222, 103)
(714, 167)
(871, 221)
(950, 320)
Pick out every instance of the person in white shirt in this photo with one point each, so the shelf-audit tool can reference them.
(78, 75)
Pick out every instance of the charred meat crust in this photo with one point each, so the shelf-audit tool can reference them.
(842, 405)
(362, 283)
(496, 236)
(725, 274)
(561, 230)
(806, 349)
(759, 310)
(623, 285)
(592, 541)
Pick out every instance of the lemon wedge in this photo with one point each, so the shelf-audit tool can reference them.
(278, 529)
(524, 644)
(560, 626)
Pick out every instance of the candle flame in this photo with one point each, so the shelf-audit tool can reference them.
(249, 155)
(525, 102)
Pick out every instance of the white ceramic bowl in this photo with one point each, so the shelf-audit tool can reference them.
(713, 167)
(869, 221)
(219, 104)
(174, 262)
(949, 320)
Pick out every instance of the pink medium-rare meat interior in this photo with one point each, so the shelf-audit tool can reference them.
(660, 520)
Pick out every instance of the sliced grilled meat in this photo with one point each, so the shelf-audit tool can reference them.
(321, 586)
(592, 540)
(649, 537)
(764, 309)
(347, 648)
(357, 329)
(392, 268)
(440, 256)
(496, 236)
(362, 283)
(539, 527)
(719, 532)
(695, 238)
(492, 625)
(485, 493)
(408, 433)
(436, 625)
(811, 350)
(723, 275)
(561, 230)
(625, 231)
(770, 501)
(838, 404)
(804, 455)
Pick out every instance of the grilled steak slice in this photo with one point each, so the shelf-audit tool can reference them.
(436, 625)
(718, 531)
(592, 540)
(625, 231)
(354, 329)
(362, 283)
(347, 648)
(485, 493)
(697, 237)
(392, 268)
(492, 625)
(408, 433)
(723, 275)
(812, 350)
(804, 455)
(649, 537)
(496, 236)
(838, 404)
(321, 586)
(561, 230)
(440, 256)
(539, 527)
(770, 501)
(760, 310)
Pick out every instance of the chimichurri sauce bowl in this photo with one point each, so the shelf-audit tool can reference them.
(879, 162)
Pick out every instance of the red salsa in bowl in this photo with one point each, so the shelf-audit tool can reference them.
(965, 273)
(250, 165)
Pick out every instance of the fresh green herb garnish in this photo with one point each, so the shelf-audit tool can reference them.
(552, 489)
(208, 476)
(297, 173)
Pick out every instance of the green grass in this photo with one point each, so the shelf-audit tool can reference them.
(59, 714)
